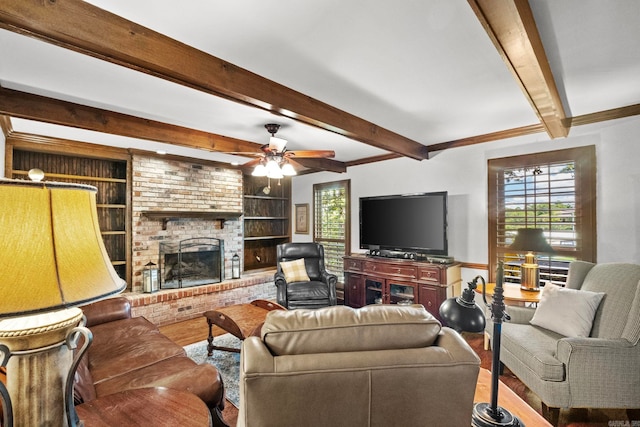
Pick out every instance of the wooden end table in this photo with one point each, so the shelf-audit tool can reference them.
(513, 295)
(154, 406)
(240, 320)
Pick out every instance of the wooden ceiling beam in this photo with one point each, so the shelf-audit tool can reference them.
(84, 28)
(512, 29)
(34, 107)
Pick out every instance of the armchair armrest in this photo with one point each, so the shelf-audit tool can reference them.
(331, 280)
(107, 310)
(281, 288)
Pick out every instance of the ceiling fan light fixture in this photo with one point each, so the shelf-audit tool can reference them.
(260, 170)
(273, 169)
(288, 170)
(277, 144)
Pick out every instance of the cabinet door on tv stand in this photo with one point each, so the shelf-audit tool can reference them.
(400, 292)
(431, 297)
(374, 290)
(354, 290)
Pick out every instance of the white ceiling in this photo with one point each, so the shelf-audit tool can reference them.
(426, 70)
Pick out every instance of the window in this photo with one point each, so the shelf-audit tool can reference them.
(331, 214)
(554, 191)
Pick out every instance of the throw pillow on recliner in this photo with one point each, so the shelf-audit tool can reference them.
(295, 271)
(569, 312)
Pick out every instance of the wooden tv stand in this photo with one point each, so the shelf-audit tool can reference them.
(371, 280)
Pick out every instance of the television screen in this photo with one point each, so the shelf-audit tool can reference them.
(412, 222)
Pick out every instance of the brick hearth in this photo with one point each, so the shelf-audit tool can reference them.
(175, 305)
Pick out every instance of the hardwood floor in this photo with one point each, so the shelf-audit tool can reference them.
(192, 331)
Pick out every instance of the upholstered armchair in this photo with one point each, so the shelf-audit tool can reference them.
(380, 365)
(301, 278)
(580, 347)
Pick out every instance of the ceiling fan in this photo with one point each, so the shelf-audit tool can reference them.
(276, 161)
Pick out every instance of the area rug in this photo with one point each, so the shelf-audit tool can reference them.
(227, 363)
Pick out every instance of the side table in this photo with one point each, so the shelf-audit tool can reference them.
(154, 406)
(513, 295)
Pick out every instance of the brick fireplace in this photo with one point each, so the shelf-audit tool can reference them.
(173, 201)
(189, 194)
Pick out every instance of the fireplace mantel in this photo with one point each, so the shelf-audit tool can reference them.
(167, 216)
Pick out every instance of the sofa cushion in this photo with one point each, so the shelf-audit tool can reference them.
(569, 312)
(178, 372)
(535, 348)
(127, 355)
(294, 271)
(309, 290)
(111, 333)
(343, 329)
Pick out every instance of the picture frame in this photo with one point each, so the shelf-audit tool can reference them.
(302, 218)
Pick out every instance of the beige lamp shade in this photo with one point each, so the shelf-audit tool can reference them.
(51, 251)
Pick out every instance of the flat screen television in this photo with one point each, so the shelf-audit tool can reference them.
(407, 223)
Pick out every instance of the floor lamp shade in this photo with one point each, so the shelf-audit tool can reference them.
(52, 259)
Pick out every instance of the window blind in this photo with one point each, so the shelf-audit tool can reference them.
(554, 191)
(331, 222)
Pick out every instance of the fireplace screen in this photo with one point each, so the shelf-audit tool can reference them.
(191, 262)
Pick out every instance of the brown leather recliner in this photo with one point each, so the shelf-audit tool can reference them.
(319, 291)
(381, 365)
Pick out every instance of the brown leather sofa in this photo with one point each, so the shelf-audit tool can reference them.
(128, 353)
(381, 365)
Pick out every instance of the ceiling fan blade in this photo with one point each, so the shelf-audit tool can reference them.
(297, 166)
(311, 154)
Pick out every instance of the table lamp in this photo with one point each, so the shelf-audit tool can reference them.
(462, 314)
(530, 240)
(52, 259)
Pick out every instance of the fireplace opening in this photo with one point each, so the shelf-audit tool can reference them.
(191, 262)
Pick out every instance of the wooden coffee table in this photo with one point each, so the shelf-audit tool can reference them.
(241, 320)
(508, 400)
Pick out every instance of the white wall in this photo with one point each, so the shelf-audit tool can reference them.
(463, 173)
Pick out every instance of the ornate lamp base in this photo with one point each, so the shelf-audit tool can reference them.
(484, 416)
(38, 363)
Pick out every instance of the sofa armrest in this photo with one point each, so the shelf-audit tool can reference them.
(255, 357)
(520, 315)
(619, 386)
(107, 310)
(457, 347)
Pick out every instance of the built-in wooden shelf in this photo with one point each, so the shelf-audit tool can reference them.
(266, 237)
(166, 216)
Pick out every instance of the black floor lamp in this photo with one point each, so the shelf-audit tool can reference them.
(462, 314)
